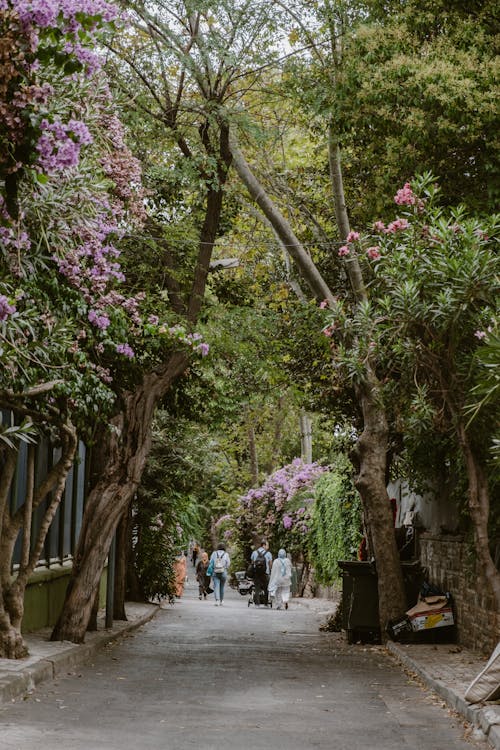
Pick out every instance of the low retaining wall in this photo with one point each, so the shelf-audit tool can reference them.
(45, 594)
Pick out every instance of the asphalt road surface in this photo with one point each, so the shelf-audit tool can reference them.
(233, 678)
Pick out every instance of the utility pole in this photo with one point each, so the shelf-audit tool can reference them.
(305, 437)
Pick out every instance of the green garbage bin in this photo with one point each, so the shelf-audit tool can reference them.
(360, 618)
(360, 615)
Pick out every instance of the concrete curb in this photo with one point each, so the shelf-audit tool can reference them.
(485, 718)
(19, 680)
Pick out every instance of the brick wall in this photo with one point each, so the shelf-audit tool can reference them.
(451, 567)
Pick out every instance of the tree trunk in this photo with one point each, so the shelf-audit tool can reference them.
(305, 437)
(371, 459)
(123, 451)
(373, 443)
(479, 507)
(372, 448)
(134, 590)
(294, 247)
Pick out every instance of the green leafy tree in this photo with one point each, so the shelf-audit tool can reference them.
(434, 307)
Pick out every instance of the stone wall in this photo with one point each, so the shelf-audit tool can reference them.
(451, 567)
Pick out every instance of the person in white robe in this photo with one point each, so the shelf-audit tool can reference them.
(280, 581)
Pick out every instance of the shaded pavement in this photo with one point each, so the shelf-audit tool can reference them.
(234, 677)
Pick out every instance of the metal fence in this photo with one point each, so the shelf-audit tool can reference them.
(62, 536)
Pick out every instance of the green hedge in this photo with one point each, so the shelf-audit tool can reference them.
(336, 522)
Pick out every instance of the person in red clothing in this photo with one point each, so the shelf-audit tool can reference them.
(180, 568)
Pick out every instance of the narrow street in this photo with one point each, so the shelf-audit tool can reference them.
(232, 678)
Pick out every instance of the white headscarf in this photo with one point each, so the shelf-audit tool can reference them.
(282, 558)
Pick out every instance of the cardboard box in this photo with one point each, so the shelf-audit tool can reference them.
(441, 619)
(431, 612)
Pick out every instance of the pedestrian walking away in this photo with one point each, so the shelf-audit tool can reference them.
(261, 560)
(202, 577)
(194, 554)
(218, 569)
(280, 580)
(180, 567)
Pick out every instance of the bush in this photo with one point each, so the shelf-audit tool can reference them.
(336, 522)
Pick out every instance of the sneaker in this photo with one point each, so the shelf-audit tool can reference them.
(216, 603)
(286, 605)
(221, 603)
(199, 598)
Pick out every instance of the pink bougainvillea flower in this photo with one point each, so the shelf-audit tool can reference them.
(203, 349)
(480, 334)
(379, 226)
(353, 237)
(344, 250)
(6, 308)
(126, 350)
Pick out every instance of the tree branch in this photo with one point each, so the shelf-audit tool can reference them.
(281, 226)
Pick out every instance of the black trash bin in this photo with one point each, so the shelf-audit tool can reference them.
(360, 615)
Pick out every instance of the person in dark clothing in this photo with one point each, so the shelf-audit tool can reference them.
(194, 554)
(261, 560)
(202, 578)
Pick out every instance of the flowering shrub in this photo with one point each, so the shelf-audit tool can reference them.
(431, 315)
(280, 510)
(62, 33)
(69, 188)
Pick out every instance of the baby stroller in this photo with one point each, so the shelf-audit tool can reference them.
(244, 584)
(246, 587)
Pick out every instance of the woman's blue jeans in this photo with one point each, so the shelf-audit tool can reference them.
(219, 583)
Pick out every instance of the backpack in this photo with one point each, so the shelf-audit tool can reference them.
(260, 563)
(219, 564)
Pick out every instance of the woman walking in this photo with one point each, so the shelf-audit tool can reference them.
(218, 567)
(202, 577)
(180, 568)
(280, 580)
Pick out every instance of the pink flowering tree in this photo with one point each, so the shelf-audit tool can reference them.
(49, 209)
(279, 510)
(431, 318)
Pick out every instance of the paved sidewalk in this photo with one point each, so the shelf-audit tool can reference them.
(444, 668)
(49, 659)
(448, 670)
